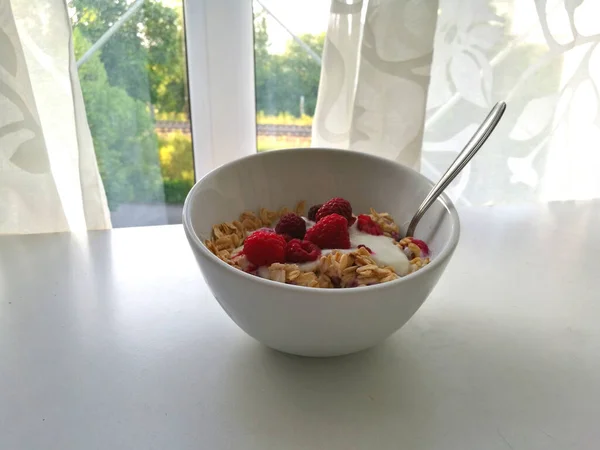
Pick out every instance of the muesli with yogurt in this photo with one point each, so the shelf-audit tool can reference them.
(330, 247)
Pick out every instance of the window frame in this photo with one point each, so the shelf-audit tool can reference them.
(219, 36)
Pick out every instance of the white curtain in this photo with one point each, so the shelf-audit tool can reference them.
(541, 56)
(49, 179)
(374, 77)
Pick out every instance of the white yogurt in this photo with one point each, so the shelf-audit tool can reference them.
(385, 251)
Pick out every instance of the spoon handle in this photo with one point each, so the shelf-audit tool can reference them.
(472, 147)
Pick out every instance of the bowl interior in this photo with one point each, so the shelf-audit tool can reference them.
(282, 178)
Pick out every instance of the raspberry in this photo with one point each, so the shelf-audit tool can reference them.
(336, 205)
(291, 224)
(312, 212)
(330, 232)
(422, 245)
(301, 251)
(263, 248)
(367, 225)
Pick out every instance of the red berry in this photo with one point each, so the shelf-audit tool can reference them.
(251, 268)
(291, 224)
(367, 225)
(336, 205)
(422, 245)
(301, 251)
(330, 232)
(312, 212)
(263, 248)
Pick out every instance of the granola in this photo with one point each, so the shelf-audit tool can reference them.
(357, 265)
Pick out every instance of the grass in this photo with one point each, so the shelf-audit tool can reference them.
(171, 117)
(266, 143)
(175, 149)
(261, 118)
(283, 119)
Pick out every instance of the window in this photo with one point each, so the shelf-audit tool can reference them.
(155, 131)
(288, 44)
(132, 66)
(155, 134)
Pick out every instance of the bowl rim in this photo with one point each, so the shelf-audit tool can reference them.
(440, 258)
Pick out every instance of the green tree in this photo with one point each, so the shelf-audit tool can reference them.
(282, 79)
(145, 56)
(303, 70)
(124, 139)
(166, 58)
(262, 65)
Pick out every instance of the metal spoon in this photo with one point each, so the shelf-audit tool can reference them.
(463, 158)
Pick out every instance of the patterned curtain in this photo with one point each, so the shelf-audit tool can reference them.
(541, 57)
(374, 77)
(49, 178)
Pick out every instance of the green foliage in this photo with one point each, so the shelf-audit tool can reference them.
(171, 116)
(140, 72)
(262, 66)
(176, 159)
(304, 71)
(265, 143)
(177, 190)
(123, 133)
(145, 56)
(282, 79)
(283, 118)
(166, 58)
(177, 166)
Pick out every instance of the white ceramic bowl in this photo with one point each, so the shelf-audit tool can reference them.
(308, 321)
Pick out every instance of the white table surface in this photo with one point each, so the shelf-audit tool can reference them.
(113, 341)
